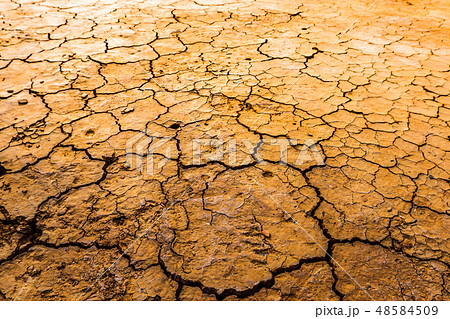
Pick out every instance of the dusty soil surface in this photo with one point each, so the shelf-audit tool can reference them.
(81, 78)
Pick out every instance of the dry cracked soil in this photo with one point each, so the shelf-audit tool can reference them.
(86, 215)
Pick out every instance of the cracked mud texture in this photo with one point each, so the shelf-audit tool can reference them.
(78, 79)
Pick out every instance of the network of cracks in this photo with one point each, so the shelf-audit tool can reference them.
(81, 78)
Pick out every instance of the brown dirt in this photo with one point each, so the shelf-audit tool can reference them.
(78, 79)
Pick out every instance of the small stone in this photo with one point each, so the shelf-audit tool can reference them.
(22, 228)
(127, 110)
(23, 101)
(84, 95)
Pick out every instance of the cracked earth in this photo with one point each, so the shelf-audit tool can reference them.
(78, 79)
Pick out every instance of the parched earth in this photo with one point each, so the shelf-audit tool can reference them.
(103, 196)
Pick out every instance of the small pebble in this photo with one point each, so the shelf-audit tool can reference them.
(23, 101)
(84, 95)
(127, 110)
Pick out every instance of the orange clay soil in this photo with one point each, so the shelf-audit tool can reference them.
(78, 79)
